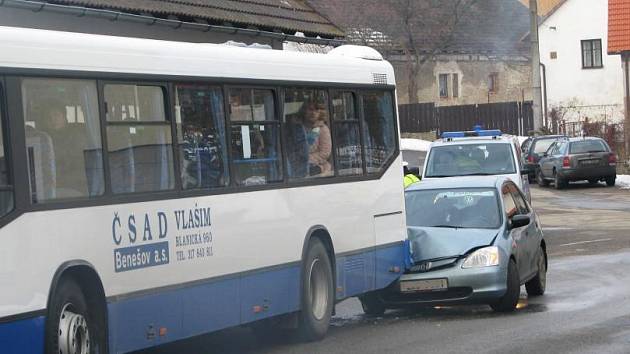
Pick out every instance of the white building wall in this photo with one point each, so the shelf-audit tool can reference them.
(576, 92)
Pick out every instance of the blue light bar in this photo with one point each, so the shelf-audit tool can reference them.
(451, 135)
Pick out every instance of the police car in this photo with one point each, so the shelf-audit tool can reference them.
(476, 153)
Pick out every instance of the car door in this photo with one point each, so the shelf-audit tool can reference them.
(531, 237)
(550, 160)
(517, 234)
(544, 161)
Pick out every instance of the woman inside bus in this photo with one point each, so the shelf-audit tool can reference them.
(319, 140)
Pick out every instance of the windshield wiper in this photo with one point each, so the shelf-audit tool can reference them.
(480, 174)
(446, 226)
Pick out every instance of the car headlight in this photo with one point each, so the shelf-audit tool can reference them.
(484, 257)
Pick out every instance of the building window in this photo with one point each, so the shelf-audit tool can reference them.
(493, 82)
(63, 139)
(455, 85)
(201, 136)
(592, 54)
(443, 85)
(254, 137)
(139, 138)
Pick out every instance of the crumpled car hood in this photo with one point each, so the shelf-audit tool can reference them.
(433, 242)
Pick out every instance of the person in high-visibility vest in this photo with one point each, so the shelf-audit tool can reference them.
(408, 177)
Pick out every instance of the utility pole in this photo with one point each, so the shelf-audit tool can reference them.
(536, 86)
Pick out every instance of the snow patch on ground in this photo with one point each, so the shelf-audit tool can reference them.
(414, 144)
(623, 181)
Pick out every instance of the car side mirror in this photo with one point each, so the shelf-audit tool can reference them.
(415, 170)
(519, 221)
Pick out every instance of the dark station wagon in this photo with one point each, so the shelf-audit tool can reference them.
(577, 159)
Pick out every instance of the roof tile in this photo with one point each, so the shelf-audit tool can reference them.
(289, 15)
(618, 26)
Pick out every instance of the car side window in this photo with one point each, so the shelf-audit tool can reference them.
(509, 205)
(521, 204)
(556, 149)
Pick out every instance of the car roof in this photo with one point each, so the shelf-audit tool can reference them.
(543, 137)
(473, 140)
(459, 182)
(585, 138)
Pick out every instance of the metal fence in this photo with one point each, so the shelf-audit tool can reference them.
(509, 117)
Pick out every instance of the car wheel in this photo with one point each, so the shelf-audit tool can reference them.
(317, 297)
(536, 286)
(540, 179)
(509, 300)
(610, 181)
(71, 326)
(559, 182)
(372, 304)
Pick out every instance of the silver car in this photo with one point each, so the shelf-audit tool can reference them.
(472, 240)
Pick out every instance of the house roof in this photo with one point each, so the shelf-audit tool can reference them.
(288, 16)
(493, 27)
(618, 26)
(546, 7)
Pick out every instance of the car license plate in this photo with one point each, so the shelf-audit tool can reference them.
(423, 285)
(589, 162)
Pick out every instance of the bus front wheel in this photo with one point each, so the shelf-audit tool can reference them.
(317, 299)
(70, 324)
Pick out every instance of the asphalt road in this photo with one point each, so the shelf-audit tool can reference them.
(586, 308)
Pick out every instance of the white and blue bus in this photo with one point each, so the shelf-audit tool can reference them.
(152, 191)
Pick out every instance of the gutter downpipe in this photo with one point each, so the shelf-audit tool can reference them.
(544, 79)
(625, 57)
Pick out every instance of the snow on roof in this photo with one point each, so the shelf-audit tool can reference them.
(414, 144)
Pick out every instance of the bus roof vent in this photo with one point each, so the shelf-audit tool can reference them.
(379, 78)
(356, 51)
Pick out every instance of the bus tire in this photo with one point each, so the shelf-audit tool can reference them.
(317, 293)
(71, 326)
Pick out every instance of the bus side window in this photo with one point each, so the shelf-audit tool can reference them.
(254, 137)
(379, 130)
(6, 186)
(347, 134)
(307, 129)
(63, 139)
(139, 139)
(201, 136)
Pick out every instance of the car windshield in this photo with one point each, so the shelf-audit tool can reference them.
(542, 145)
(586, 146)
(470, 160)
(471, 208)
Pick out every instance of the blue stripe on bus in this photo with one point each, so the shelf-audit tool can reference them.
(185, 312)
(23, 336)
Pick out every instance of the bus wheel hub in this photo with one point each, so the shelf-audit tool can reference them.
(74, 336)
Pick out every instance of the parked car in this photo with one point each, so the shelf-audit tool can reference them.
(534, 148)
(414, 152)
(577, 159)
(476, 153)
(472, 240)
